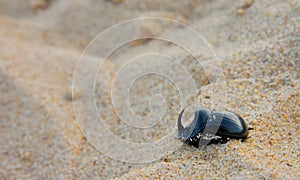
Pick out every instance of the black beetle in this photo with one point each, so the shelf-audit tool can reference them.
(212, 127)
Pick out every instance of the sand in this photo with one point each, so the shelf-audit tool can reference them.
(255, 74)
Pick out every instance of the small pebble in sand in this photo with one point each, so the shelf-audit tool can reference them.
(25, 155)
(207, 96)
(39, 4)
(247, 4)
(240, 12)
(73, 93)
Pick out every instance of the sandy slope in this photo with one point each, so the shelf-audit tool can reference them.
(40, 44)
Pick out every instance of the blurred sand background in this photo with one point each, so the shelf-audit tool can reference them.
(258, 45)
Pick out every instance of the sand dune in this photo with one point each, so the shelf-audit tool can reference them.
(257, 45)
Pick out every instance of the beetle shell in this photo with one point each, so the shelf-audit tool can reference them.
(212, 127)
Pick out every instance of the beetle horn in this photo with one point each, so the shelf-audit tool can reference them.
(179, 124)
